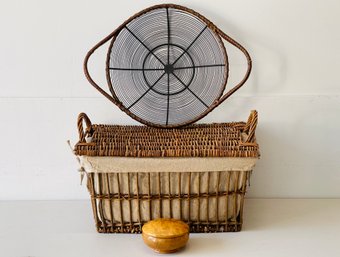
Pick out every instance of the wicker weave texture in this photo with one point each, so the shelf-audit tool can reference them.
(236, 139)
(206, 201)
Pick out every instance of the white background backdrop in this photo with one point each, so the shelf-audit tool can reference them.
(295, 46)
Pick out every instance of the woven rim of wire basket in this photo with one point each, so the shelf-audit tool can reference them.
(167, 66)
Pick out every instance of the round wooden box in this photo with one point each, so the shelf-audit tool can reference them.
(165, 235)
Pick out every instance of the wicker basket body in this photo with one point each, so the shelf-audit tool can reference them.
(188, 196)
(209, 200)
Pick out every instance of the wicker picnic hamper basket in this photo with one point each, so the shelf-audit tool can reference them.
(197, 174)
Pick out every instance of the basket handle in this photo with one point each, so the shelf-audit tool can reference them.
(86, 70)
(250, 126)
(249, 62)
(82, 134)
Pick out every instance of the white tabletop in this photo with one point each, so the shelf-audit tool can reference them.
(272, 227)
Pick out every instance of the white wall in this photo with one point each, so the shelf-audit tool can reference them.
(295, 46)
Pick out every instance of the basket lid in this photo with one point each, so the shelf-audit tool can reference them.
(233, 139)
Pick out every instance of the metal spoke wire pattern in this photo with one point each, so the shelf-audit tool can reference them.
(167, 67)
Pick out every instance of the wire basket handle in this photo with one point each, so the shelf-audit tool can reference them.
(249, 63)
(82, 134)
(86, 70)
(250, 126)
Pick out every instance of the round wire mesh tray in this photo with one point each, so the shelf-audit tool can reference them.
(167, 66)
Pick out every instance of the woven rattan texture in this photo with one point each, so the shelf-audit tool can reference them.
(204, 206)
(201, 140)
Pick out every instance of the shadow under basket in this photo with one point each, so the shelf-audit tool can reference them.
(199, 175)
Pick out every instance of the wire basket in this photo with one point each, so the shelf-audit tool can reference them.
(167, 66)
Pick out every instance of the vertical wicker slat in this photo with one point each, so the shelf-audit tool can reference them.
(243, 190)
(189, 193)
(120, 204)
(90, 185)
(208, 188)
(101, 200)
(237, 175)
(110, 200)
(169, 195)
(149, 197)
(199, 201)
(129, 198)
(179, 195)
(227, 200)
(139, 221)
(217, 199)
(159, 195)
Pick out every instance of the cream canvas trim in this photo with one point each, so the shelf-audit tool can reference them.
(108, 164)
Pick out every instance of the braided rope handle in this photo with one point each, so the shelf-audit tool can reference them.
(250, 126)
(82, 134)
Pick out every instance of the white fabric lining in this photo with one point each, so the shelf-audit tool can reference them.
(108, 164)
